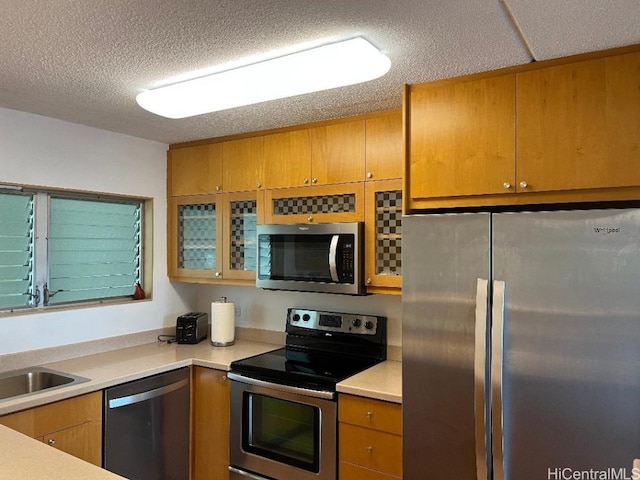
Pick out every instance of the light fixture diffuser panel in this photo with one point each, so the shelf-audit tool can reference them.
(322, 68)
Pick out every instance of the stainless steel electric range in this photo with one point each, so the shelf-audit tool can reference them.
(283, 403)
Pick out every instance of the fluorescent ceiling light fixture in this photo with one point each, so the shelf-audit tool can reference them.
(329, 66)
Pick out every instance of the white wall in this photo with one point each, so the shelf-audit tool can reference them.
(41, 151)
(267, 310)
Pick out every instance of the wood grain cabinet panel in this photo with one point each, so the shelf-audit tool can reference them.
(195, 170)
(384, 145)
(73, 426)
(338, 152)
(243, 164)
(370, 439)
(462, 137)
(210, 434)
(578, 125)
(287, 159)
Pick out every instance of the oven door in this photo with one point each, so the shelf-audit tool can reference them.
(281, 432)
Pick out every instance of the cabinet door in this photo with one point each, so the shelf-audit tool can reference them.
(383, 225)
(462, 137)
(384, 147)
(317, 204)
(194, 243)
(337, 153)
(287, 159)
(240, 219)
(243, 164)
(83, 441)
(195, 170)
(579, 125)
(210, 424)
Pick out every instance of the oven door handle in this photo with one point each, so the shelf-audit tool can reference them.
(283, 388)
(244, 473)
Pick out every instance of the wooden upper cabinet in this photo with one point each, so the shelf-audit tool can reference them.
(337, 152)
(195, 170)
(384, 147)
(243, 164)
(462, 137)
(578, 125)
(287, 159)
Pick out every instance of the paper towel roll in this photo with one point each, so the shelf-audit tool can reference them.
(222, 324)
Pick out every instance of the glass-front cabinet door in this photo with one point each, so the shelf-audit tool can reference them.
(194, 238)
(240, 218)
(383, 236)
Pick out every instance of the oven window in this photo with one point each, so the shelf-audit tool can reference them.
(284, 431)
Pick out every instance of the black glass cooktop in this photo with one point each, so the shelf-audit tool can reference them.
(308, 369)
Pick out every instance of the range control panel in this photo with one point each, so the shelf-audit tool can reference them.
(333, 322)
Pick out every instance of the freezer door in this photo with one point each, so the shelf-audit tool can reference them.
(571, 361)
(445, 261)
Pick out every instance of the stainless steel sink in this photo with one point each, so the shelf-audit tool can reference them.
(33, 380)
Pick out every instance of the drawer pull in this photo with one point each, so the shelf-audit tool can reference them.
(369, 415)
(369, 449)
(52, 441)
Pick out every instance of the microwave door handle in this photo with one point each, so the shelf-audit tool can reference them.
(333, 255)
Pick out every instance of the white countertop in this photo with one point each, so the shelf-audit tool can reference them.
(118, 366)
(25, 458)
(382, 382)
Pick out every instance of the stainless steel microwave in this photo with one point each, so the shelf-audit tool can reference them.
(322, 257)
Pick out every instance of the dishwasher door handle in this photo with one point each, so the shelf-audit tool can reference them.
(141, 397)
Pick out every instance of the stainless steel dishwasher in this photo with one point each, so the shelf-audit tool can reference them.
(146, 427)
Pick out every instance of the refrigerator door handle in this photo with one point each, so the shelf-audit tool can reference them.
(497, 356)
(479, 369)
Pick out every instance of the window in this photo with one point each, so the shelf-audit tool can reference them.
(58, 248)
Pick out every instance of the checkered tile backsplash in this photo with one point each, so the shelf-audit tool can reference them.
(320, 204)
(389, 233)
(243, 235)
(197, 236)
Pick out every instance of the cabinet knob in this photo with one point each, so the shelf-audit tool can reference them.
(369, 175)
(523, 184)
(217, 188)
(259, 185)
(369, 449)
(305, 181)
(217, 274)
(369, 415)
(224, 377)
(368, 281)
(310, 218)
(314, 180)
(506, 185)
(52, 441)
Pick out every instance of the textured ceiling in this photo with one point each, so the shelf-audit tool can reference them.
(84, 61)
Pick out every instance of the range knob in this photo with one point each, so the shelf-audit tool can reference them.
(356, 322)
(368, 324)
(296, 317)
(306, 317)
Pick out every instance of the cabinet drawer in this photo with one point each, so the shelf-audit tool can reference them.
(366, 412)
(371, 449)
(348, 471)
(40, 421)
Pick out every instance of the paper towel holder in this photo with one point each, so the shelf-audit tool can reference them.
(222, 323)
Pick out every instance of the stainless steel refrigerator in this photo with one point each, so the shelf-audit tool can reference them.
(521, 345)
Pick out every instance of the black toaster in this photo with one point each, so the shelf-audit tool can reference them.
(192, 327)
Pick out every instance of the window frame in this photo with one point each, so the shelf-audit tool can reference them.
(41, 212)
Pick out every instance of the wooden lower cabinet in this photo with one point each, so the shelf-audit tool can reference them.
(210, 433)
(73, 426)
(369, 438)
